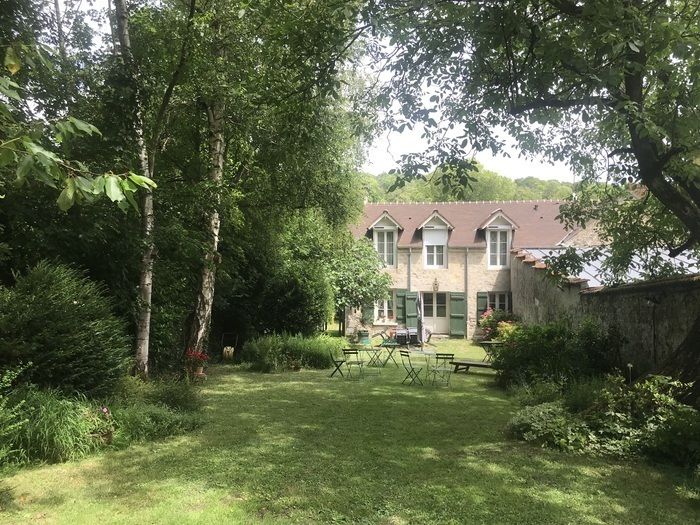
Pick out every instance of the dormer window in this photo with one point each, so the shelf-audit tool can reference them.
(385, 232)
(385, 243)
(497, 241)
(435, 231)
(498, 228)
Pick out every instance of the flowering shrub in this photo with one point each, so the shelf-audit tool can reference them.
(490, 322)
(195, 358)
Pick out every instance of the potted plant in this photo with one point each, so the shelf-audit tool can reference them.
(195, 361)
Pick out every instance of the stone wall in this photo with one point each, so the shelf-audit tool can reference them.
(653, 317)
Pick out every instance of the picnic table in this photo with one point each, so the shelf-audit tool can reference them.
(465, 364)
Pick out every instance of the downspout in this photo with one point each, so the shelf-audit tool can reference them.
(466, 293)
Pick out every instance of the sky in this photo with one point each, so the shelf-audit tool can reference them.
(388, 148)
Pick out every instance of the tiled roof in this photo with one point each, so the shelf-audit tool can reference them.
(537, 221)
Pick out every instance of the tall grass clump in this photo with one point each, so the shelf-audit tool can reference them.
(278, 353)
(62, 322)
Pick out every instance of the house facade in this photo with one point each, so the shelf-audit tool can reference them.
(455, 255)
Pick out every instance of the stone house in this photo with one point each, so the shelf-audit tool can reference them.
(456, 255)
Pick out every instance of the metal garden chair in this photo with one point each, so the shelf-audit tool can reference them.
(338, 362)
(412, 372)
(442, 370)
(352, 359)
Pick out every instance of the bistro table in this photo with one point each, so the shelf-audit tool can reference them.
(426, 354)
(390, 345)
(489, 348)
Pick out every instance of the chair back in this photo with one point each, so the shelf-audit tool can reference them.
(406, 358)
(335, 358)
(443, 358)
(350, 352)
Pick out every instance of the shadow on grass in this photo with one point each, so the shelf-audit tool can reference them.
(302, 447)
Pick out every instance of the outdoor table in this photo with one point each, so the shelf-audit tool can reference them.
(390, 347)
(489, 347)
(373, 354)
(427, 354)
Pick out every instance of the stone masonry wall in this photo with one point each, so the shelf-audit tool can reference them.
(653, 317)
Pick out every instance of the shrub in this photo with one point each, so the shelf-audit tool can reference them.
(140, 421)
(582, 394)
(491, 320)
(538, 392)
(175, 393)
(62, 322)
(549, 424)
(11, 417)
(555, 351)
(57, 428)
(677, 438)
(277, 353)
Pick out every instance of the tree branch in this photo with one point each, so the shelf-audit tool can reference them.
(544, 103)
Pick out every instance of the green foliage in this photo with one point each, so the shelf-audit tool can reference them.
(537, 392)
(607, 416)
(57, 428)
(487, 186)
(174, 393)
(140, 421)
(356, 275)
(490, 322)
(548, 424)
(62, 322)
(278, 353)
(557, 352)
(11, 420)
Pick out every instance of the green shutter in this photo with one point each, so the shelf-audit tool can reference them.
(482, 303)
(400, 306)
(458, 310)
(368, 314)
(411, 312)
(510, 302)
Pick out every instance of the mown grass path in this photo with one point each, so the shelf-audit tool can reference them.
(302, 448)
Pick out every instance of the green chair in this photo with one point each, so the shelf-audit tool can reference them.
(412, 372)
(352, 359)
(338, 364)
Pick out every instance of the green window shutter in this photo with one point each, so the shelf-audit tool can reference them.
(411, 312)
(400, 306)
(458, 310)
(368, 314)
(482, 303)
(510, 302)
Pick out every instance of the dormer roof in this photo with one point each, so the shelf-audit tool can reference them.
(436, 215)
(497, 216)
(385, 215)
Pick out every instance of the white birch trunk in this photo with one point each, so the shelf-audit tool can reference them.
(143, 325)
(199, 330)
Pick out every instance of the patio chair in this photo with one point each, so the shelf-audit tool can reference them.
(338, 362)
(352, 359)
(442, 370)
(411, 371)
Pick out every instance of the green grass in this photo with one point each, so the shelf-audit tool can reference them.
(303, 448)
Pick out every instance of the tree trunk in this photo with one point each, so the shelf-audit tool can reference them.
(201, 319)
(143, 325)
(59, 30)
(684, 363)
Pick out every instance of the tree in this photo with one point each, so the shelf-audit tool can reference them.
(357, 276)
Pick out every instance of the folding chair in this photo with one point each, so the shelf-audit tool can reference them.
(352, 358)
(411, 371)
(338, 364)
(442, 369)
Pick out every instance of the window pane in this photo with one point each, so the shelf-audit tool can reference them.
(428, 304)
(430, 256)
(493, 248)
(504, 248)
(439, 256)
(389, 248)
(441, 307)
(390, 309)
(492, 301)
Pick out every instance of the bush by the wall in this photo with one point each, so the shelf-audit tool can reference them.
(607, 416)
(62, 322)
(277, 353)
(556, 352)
(494, 322)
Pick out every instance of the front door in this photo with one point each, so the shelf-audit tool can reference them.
(435, 312)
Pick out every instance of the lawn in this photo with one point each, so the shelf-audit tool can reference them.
(300, 447)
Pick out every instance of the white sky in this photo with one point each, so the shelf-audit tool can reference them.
(388, 148)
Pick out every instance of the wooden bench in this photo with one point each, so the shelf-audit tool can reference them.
(464, 364)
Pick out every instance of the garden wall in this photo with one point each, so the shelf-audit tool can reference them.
(653, 317)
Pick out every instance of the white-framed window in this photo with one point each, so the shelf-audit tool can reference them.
(385, 243)
(498, 301)
(435, 256)
(497, 242)
(384, 311)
